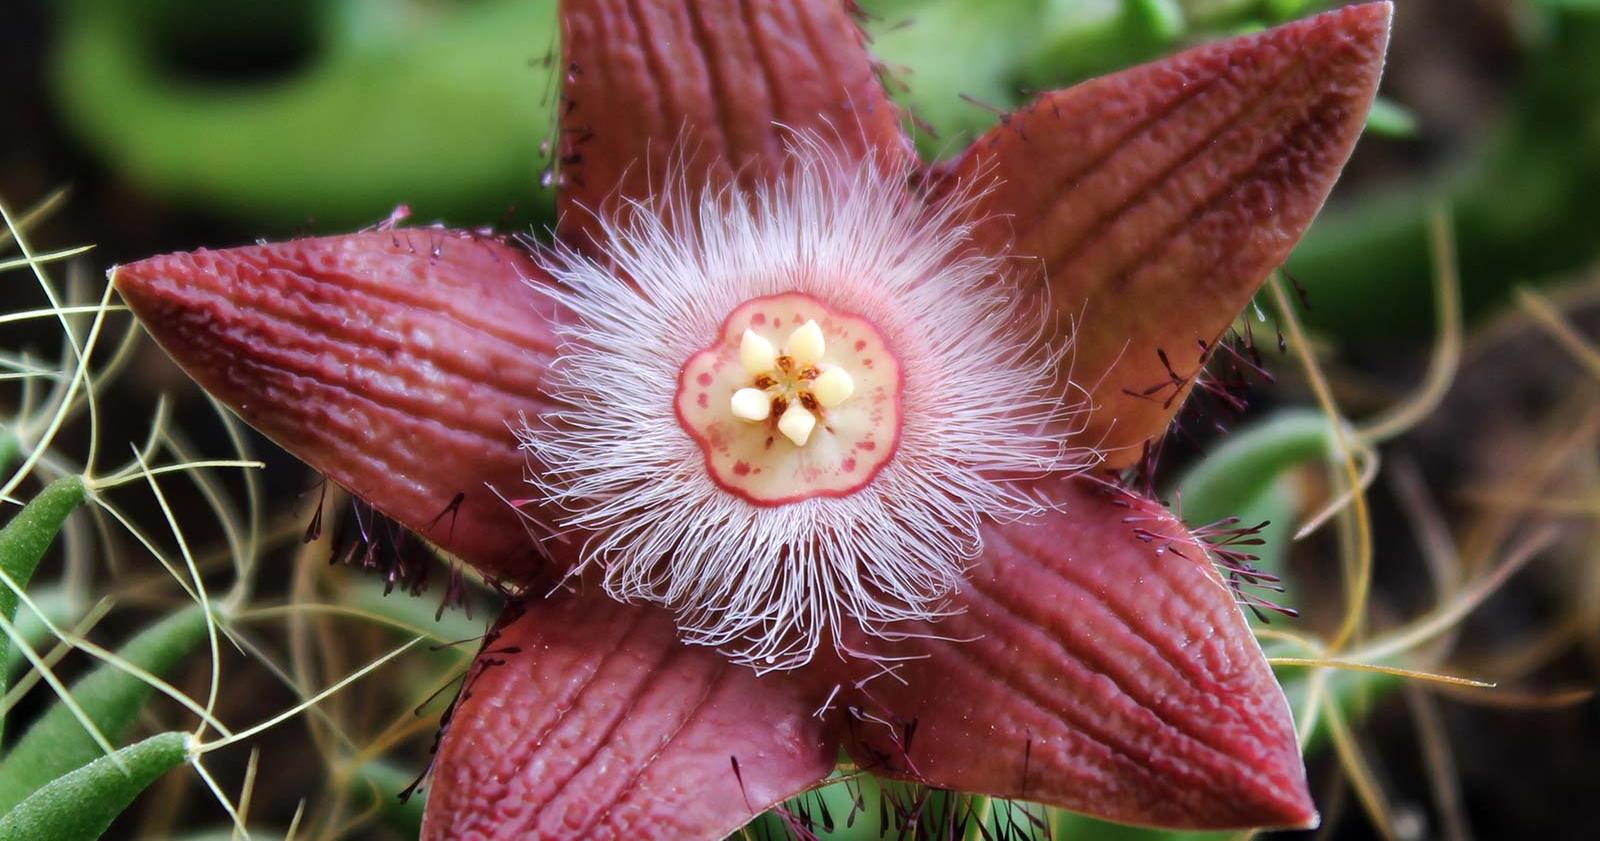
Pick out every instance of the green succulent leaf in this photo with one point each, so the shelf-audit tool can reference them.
(112, 698)
(81, 805)
(1391, 119)
(25, 539)
(388, 781)
(59, 605)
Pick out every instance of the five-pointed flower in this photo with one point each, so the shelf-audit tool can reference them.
(807, 441)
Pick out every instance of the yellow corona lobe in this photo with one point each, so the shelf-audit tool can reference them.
(792, 399)
(796, 425)
(751, 404)
(792, 386)
(757, 355)
(832, 387)
(805, 345)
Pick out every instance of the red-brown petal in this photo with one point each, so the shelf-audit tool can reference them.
(594, 722)
(1154, 202)
(1100, 666)
(392, 361)
(705, 84)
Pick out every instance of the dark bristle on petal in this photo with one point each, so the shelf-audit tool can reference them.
(390, 360)
(1151, 204)
(601, 725)
(1100, 664)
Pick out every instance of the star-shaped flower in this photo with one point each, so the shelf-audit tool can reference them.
(795, 443)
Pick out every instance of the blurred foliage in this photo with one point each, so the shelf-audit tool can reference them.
(332, 113)
(1522, 200)
(337, 111)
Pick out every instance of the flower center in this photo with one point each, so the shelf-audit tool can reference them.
(792, 386)
(793, 400)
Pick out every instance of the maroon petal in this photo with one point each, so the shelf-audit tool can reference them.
(392, 361)
(1154, 202)
(587, 719)
(1100, 666)
(705, 85)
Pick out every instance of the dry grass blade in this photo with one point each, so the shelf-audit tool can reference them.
(1441, 764)
(1580, 507)
(1358, 559)
(1446, 356)
(251, 732)
(217, 792)
(1377, 668)
(1511, 699)
(32, 216)
(1446, 617)
(1358, 770)
(1433, 535)
(246, 791)
(1536, 305)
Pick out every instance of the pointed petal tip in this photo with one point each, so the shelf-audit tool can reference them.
(1281, 809)
(150, 288)
(1309, 817)
(390, 361)
(139, 282)
(1145, 698)
(1368, 22)
(1152, 203)
(586, 719)
(1381, 12)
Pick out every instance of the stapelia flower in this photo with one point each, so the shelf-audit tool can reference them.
(793, 444)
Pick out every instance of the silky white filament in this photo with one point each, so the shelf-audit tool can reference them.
(984, 408)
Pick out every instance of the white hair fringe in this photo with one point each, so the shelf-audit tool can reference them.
(985, 407)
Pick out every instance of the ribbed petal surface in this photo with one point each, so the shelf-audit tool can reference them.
(694, 88)
(1100, 666)
(1154, 202)
(392, 361)
(594, 722)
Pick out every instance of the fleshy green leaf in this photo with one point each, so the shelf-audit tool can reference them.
(1391, 119)
(25, 538)
(1247, 477)
(437, 105)
(388, 781)
(80, 805)
(111, 698)
(1085, 828)
(1249, 463)
(59, 605)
